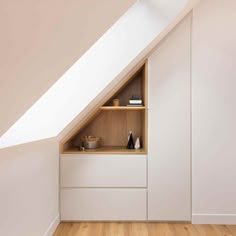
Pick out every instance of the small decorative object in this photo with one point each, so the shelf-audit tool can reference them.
(137, 143)
(90, 142)
(130, 144)
(81, 148)
(116, 102)
(135, 100)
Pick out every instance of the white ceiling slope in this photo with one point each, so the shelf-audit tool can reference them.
(123, 45)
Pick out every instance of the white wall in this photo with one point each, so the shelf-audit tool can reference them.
(214, 112)
(29, 189)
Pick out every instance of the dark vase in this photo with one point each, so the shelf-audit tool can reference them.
(130, 144)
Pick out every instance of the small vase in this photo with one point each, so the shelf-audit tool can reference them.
(116, 102)
(137, 143)
(130, 144)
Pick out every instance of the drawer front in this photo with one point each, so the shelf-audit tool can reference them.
(103, 204)
(103, 170)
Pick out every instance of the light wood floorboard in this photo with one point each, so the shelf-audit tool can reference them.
(142, 229)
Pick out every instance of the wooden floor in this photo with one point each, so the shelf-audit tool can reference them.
(142, 229)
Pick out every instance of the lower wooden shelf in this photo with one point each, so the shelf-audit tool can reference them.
(107, 150)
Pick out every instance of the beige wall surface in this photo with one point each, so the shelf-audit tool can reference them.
(214, 112)
(40, 40)
(29, 178)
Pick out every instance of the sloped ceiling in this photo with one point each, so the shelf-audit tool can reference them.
(40, 40)
(125, 43)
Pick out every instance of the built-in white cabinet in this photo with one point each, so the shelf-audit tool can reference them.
(154, 182)
(103, 187)
(169, 153)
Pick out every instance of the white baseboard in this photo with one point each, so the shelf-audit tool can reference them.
(228, 219)
(52, 227)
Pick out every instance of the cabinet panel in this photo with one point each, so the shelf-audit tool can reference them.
(103, 170)
(103, 204)
(169, 163)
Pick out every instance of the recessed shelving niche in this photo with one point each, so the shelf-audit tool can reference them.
(113, 123)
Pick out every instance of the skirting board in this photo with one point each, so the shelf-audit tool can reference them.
(53, 226)
(228, 219)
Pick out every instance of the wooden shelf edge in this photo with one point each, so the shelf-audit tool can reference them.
(105, 153)
(122, 108)
(107, 150)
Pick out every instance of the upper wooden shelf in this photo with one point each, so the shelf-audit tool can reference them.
(122, 108)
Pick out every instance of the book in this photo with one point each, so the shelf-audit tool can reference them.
(135, 97)
(135, 101)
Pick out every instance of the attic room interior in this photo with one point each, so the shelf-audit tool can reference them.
(118, 118)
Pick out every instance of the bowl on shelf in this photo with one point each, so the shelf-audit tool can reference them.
(91, 142)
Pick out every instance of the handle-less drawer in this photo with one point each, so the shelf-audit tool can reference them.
(103, 204)
(103, 170)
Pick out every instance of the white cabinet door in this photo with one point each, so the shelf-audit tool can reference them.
(169, 165)
(103, 204)
(83, 170)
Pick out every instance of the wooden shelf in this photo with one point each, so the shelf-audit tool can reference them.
(126, 108)
(106, 150)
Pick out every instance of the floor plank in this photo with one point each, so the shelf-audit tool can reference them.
(142, 229)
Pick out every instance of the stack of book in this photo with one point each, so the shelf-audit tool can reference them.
(135, 101)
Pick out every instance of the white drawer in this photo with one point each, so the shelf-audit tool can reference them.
(103, 170)
(103, 204)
